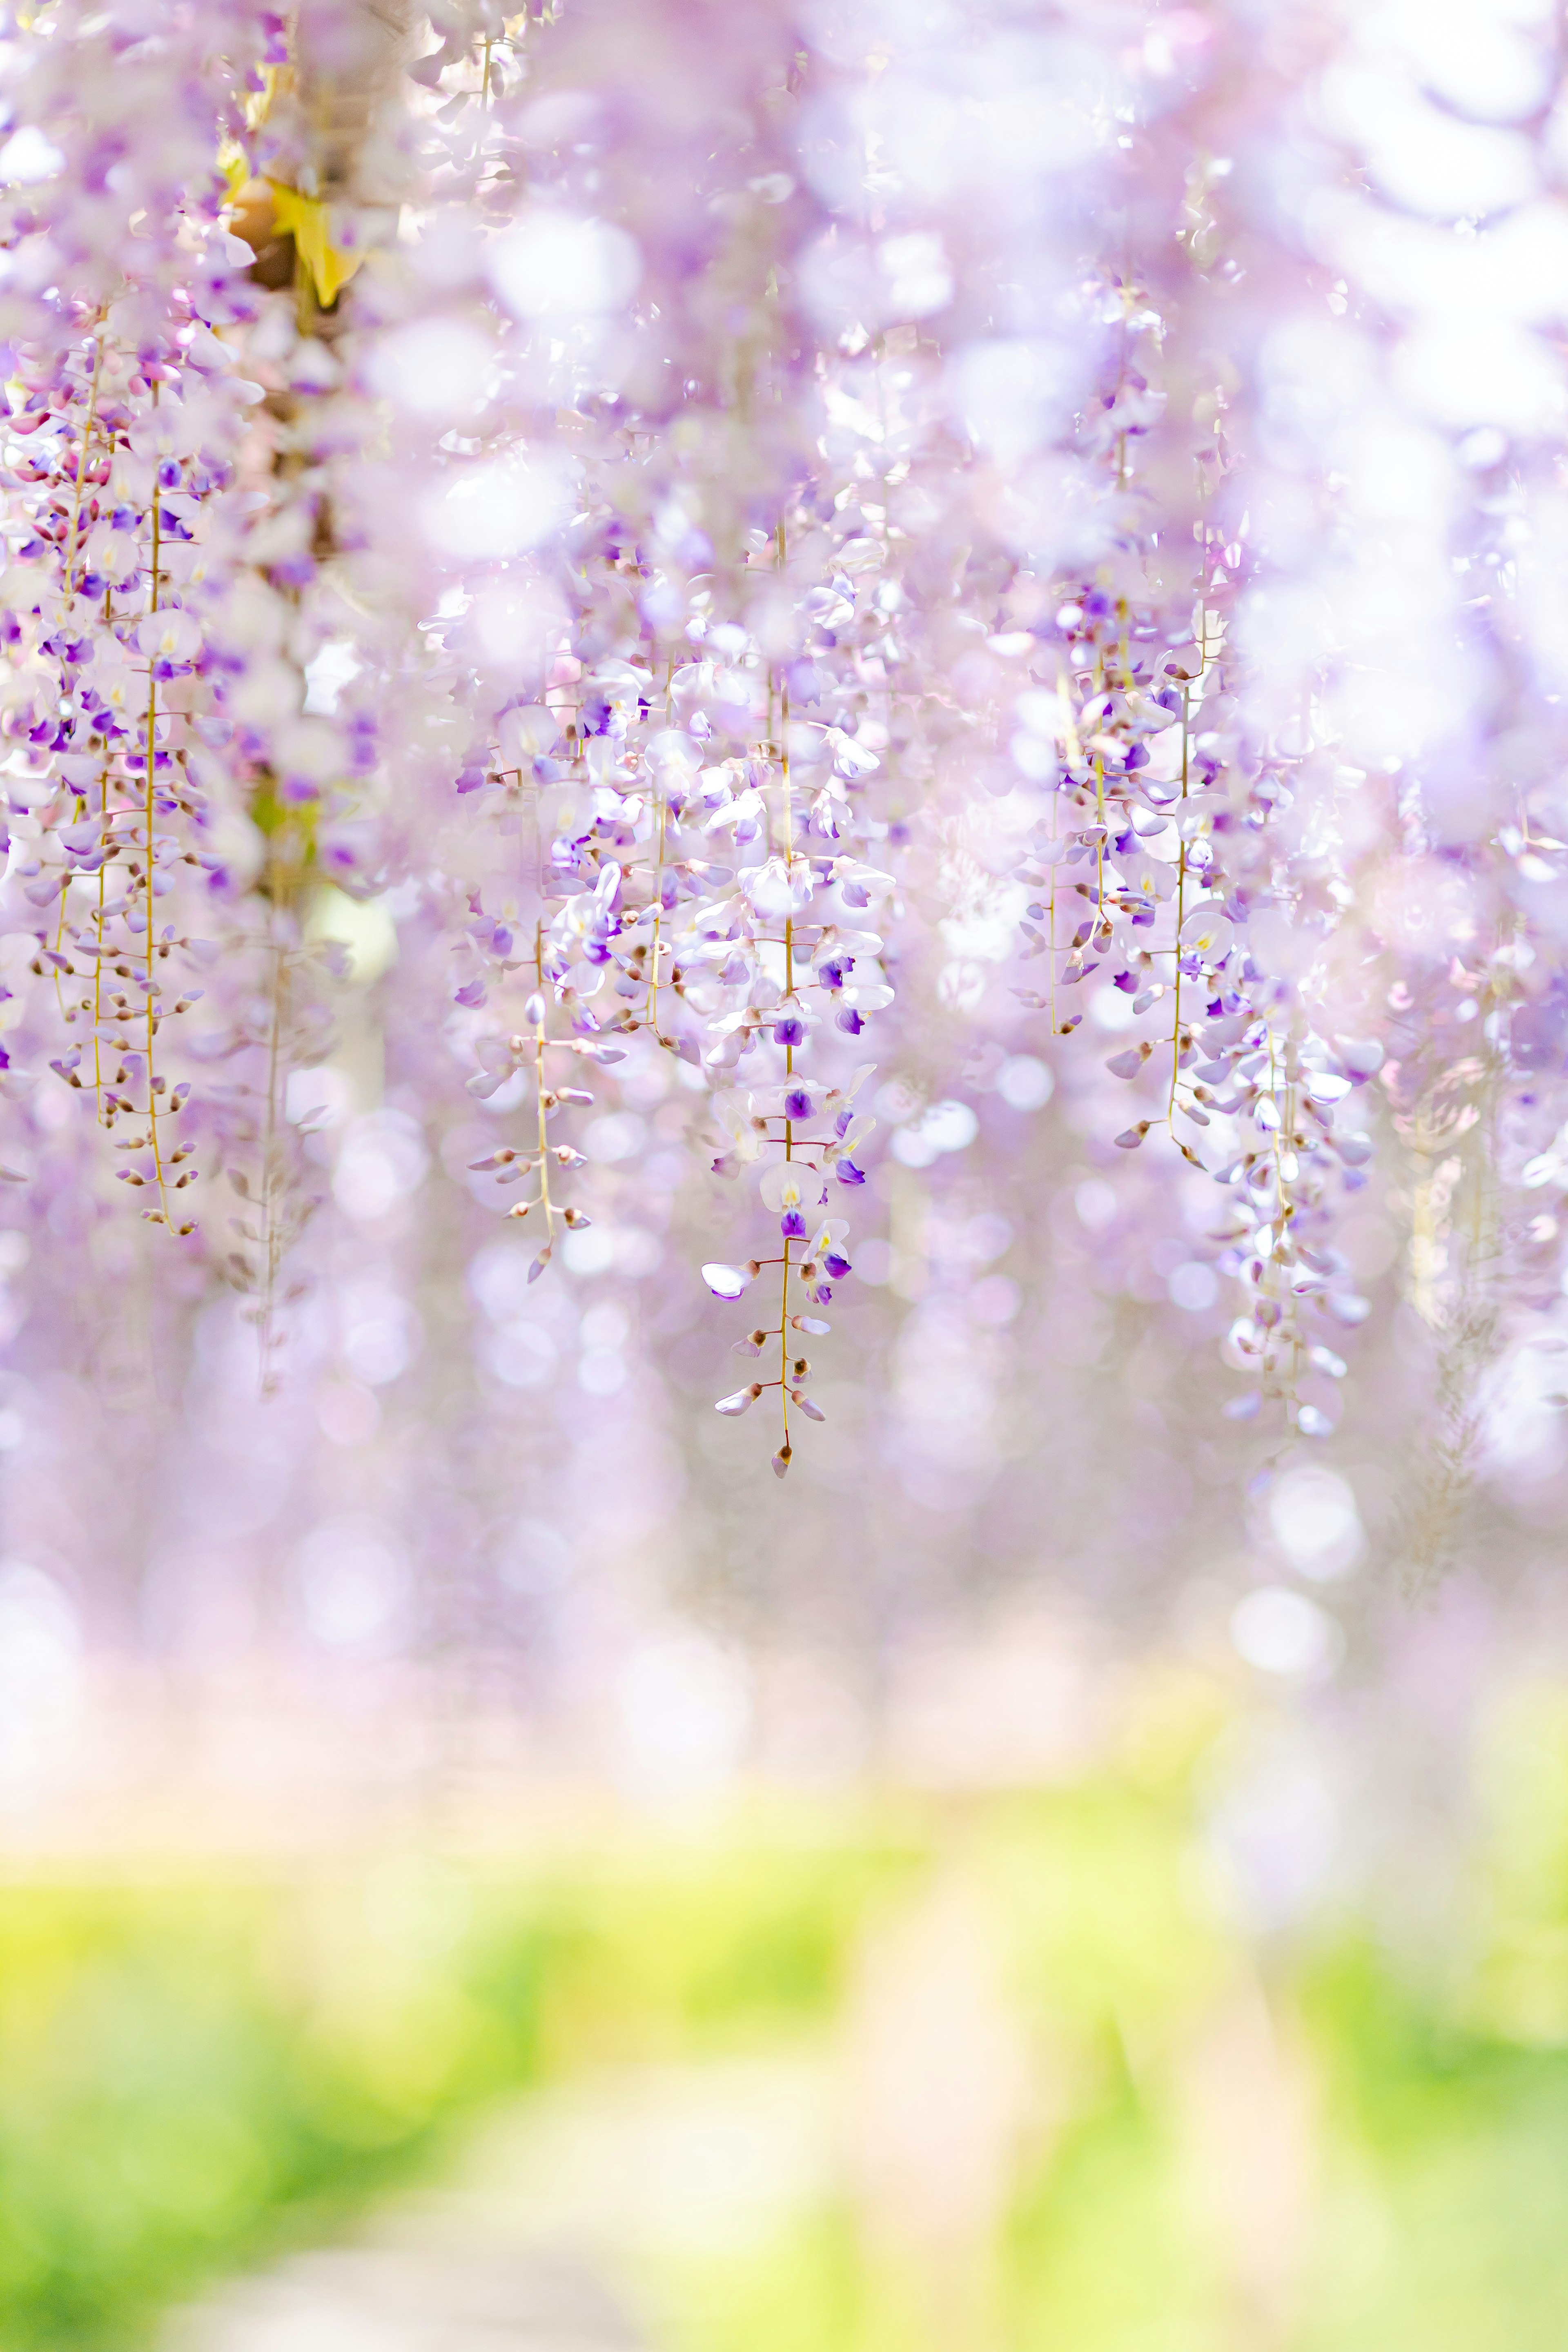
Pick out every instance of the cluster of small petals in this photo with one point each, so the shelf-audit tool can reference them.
(124, 521)
(785, 564)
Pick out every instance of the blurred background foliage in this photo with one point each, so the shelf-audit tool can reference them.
(195, 2066)
(1077, 2101)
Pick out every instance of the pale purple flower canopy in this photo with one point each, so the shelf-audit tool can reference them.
(609, 606)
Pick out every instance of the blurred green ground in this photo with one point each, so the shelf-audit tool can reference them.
(1080, 2112)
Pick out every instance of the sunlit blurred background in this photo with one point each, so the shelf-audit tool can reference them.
(1058, 1998)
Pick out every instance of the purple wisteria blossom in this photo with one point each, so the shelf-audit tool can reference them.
(680, 628)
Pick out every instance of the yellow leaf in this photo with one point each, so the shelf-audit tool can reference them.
(304, 218)
(235, 165)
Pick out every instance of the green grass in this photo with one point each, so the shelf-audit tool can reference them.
(198, 2068)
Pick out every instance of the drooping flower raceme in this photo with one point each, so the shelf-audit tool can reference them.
(790, 564)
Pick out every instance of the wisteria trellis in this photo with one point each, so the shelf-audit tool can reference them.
(770, 533)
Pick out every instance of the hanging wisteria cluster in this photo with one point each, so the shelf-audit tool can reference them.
(688, 609)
